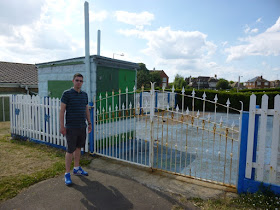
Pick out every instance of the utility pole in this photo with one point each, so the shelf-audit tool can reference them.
(238, 83)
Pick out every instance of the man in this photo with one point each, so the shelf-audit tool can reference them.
(75, 102)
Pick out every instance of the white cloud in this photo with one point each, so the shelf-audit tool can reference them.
(41, 37)
(183, 52)
(264, 44)
(98, 16)
(259, 20)
(224, 43)
(168, 44)
(137, 19)
(255, 30)
(249, 30)
(14, 12)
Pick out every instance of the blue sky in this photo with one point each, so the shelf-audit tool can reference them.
(187, 37)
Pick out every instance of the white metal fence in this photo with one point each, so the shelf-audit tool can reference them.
(202, 144)
(263, 138)
(37, 118)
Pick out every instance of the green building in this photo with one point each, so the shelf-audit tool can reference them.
(106, 74)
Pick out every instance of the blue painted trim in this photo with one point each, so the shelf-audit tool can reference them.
(168, 99)
(253, 186)
(91, 141)
(243, 152)
(47, 143)
(17, 111)
(156, 104)
(140, 101)
(255, 143)
(175, 100)
(24, 138)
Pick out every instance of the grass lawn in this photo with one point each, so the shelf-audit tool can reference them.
(24, 163)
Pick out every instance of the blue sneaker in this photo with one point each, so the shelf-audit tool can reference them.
(80, 172)
(67, 178)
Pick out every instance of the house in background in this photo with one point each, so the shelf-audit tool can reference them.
(18, 78)
(163, 76)
(240, 87)
(257, 82)
(275, 84)
(202, 82)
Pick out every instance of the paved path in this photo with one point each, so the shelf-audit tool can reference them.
(111, 185)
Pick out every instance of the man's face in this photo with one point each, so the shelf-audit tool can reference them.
(78, 82)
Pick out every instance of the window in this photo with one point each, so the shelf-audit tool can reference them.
(259, 83)
(266, 83)
(164, 79)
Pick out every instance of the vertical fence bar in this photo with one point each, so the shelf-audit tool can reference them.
(262, 141)
(92, 120)
(275, 140)
(252, 111)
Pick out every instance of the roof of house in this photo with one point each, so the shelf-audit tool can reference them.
(257, 79)
(212, 79)
(19, 73)
(235, 85)
(160, 71)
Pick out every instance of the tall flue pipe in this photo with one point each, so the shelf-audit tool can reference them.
(98, 41)
(87, 53)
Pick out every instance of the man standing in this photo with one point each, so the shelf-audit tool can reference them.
(75, 102)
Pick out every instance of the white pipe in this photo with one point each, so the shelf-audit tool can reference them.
(98, 42)
(87, 58)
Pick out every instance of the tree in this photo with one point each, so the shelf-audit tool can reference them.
(155, 77)
(179, 82)
(142, 78)
(223, 84)
(143, 67)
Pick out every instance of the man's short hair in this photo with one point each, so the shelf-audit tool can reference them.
(77, 75)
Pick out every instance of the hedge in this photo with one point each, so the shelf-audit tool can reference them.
(223, 96)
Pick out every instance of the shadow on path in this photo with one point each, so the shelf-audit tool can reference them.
(98, 196)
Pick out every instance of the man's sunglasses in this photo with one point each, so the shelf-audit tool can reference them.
(77, 80)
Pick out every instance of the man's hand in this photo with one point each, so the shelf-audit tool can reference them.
(89, 127)
(63, 130)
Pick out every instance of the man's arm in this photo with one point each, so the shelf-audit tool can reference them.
(61, 118)
(88, 119)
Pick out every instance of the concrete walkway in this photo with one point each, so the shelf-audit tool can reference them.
(115, 185)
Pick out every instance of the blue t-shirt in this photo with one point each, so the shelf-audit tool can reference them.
(75, 108)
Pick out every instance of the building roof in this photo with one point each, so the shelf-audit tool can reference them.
(212, 79)
(160, 71)
(97, 59)
(18, 73)
(257, 79)
(235, 85)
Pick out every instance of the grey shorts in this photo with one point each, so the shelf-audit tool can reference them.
(76, 138)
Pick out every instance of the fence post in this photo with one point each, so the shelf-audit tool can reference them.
(243, 152)
(152, 113)
(91, 142)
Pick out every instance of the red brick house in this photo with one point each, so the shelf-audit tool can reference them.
(163, 76)
(257, 82)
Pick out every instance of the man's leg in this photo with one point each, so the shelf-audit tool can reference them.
(68, 161)
(77, 156)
